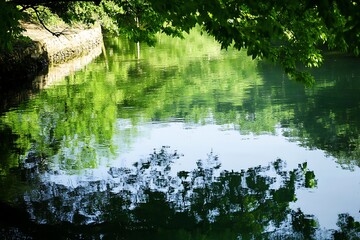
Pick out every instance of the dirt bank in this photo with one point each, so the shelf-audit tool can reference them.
(45, 49)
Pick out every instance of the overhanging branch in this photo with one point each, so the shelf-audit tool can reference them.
(43, 24)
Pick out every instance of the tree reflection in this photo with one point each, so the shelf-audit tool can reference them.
(349, 228)
(324, 117)
(72, 125)
(150, 199)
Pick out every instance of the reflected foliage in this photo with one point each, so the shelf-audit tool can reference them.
(150, 198)
(72, 125)
(327, 116)
(92, 116)
(349, 228)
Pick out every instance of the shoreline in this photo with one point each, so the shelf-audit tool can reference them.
(43, 50)
(41, 62)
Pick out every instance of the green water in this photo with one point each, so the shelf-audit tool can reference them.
(184, 141)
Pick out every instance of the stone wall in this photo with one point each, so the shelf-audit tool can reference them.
(45, 49)
(69, 45)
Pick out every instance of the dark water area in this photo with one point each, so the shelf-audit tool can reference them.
(182, 141)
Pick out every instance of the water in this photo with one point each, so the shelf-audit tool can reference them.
(183, 141)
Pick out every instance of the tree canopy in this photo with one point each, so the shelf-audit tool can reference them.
(293, 34)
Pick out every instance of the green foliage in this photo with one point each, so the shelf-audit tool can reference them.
(10, 29)
(43, 14)
(134, 19)
(286, 34)
(74, 12)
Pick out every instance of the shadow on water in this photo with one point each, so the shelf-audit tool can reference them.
(151, 201)
(15, 92)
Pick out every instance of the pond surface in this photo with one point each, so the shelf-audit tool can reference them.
(184, 141)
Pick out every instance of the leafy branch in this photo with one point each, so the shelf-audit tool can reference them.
(57, 34)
